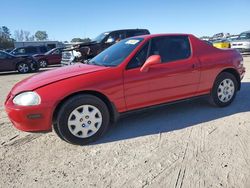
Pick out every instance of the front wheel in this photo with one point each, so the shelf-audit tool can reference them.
(23, 68)
(82, 119)
(34, 67)
(43, 63)
(224, 90)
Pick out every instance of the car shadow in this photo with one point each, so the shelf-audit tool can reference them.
(175, 117)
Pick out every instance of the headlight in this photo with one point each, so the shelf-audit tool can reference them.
(27, 99)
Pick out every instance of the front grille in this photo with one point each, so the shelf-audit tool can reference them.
(66, 55)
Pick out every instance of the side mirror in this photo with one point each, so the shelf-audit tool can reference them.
(152, 60)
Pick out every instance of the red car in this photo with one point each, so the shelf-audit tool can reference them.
(81, 101)
(51, 57)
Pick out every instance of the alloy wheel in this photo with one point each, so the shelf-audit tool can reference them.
(23, 68)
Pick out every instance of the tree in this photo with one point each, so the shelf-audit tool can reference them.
(22, 35)
(41, 35)
(19, 35)
(80, 40)
(5, 32)
(26, 35)
(5, 38)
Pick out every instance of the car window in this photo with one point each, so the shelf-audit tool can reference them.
(171, 48)
(43, 49)
(20, 51)
(31, 50)
(139, 59)
(56, 52)
(116, 37)
(3, 55)
(136, 33)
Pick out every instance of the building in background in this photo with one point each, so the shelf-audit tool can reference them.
(48, 44)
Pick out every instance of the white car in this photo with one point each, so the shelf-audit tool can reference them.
(242, 44)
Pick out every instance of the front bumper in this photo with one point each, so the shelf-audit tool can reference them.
(67, 63)
(30, 118)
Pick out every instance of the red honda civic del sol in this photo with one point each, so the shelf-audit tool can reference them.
(80, 101)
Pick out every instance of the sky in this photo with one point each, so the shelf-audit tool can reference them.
(64, 20)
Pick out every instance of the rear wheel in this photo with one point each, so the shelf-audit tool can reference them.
(224, 90)
(23, 68)
(82, 119)
(43, 63)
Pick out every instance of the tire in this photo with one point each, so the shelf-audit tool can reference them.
(34, 67)
(43, 63)
(82, 119)
(224, 90)
(23, 67)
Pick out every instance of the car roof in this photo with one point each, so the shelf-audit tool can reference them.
(127, 30)
(31, 46)
(162, 35)
(246, 32)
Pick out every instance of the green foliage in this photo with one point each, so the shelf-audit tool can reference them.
(41, 35)
(5, 38)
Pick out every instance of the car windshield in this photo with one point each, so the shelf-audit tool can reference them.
(100, 37)
(50, 51)
(244, 36)
(115, 55)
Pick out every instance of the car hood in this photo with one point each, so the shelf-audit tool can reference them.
(51, 76)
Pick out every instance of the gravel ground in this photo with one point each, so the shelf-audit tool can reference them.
(190, 144)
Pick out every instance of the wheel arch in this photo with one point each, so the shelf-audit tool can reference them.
(114, 114)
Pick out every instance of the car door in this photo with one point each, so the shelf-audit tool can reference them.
(136, 84)
(177, 77)
(55, 56)
(6, 62)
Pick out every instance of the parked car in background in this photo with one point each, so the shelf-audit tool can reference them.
(84, 51)
(49, 44)
(242, 44)
(29, 50)
(232, 38)
(51, 57)
(22, 64)
(135, 73)
(221, 43)
(208, 42)
(8, 50)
